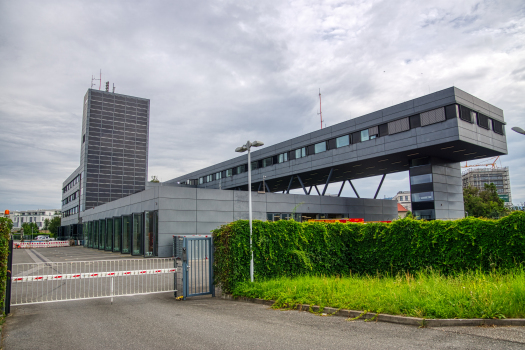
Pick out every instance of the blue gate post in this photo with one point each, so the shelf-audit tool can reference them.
(211, 282)
(184, 269)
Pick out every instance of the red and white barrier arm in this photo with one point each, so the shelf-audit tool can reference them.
(73, 276)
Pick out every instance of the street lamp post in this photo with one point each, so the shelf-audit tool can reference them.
(243, 149)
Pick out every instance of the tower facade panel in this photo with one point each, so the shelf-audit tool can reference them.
(114, 147)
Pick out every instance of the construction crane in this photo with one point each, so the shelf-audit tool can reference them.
(493, 164)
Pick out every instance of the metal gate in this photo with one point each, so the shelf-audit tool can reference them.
(197, 266)
(60, 281)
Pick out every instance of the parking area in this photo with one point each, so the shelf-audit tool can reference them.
(65, 254)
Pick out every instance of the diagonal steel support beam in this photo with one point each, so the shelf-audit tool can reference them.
(310, 190)
(380, 184)
(259, 188)
(289, 185)
(351, 184)
(267, 187)
(328, 181)
(319, 193)
(302, 185)
(341, 190)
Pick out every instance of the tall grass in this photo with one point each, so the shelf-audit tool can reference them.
(427, 294)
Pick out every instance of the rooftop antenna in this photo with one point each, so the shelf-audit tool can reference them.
(95, 79)
(320, 110)
(113, 87)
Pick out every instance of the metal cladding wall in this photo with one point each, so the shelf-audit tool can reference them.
(197, 211)
(115, 151)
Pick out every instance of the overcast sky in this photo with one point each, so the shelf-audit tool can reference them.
(221, 72)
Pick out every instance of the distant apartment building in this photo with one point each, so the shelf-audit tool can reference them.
(37, 216)
(403, 198)
(478, 177)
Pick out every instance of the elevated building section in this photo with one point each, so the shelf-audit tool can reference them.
(438, 130)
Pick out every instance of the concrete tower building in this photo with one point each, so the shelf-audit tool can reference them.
(113, 154)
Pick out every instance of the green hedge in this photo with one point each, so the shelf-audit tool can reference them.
(289, 248)
(4, 253)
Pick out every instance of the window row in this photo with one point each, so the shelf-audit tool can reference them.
(70, 212)
(71, 184)
(481, 120)
(70, 198)
(404, 124)
(135, 234)
(99, 100)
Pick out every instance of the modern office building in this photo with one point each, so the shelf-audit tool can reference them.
(403, 198)
(113, 153)
(478, 177)
(427, 136)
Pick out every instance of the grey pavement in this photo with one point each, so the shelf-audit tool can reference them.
(159, 321)
(65, 254)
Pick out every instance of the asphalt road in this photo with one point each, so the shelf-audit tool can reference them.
(160, 322)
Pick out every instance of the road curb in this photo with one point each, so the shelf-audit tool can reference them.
(410, 321)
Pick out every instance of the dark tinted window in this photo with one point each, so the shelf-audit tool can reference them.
(465, 114)
(483, 121)
(383, 130)
(497, 127)
(356, 137)
(451, 112)
(415, 121)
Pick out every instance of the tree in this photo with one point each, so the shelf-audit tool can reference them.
(154, 179)
(54, 224)
(484, 203)
(46, 224)
(30, 228)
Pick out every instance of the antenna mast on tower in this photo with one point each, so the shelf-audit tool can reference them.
(95, 79)
(320, 110)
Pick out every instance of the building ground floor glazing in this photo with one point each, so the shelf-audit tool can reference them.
(135, 234)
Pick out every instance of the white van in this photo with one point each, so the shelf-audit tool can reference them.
(42, 238)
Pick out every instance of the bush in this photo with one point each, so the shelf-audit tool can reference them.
(5, 231)
(289, 248)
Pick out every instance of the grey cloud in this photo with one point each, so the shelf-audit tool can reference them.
(220, 73)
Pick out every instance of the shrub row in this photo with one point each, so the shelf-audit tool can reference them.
(289, 248)
(4, 253)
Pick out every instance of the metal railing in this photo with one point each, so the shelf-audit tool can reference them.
(61, 281)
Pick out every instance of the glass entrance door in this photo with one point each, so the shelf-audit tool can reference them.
(90, 235)
(126, 234)
(117, 234)
(95, 234)
(136, 241)
(150, 234)
(109, 234)
(102, 234)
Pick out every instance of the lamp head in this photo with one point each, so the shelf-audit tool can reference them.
(241, 149)
(519, 130)
(257, 143)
